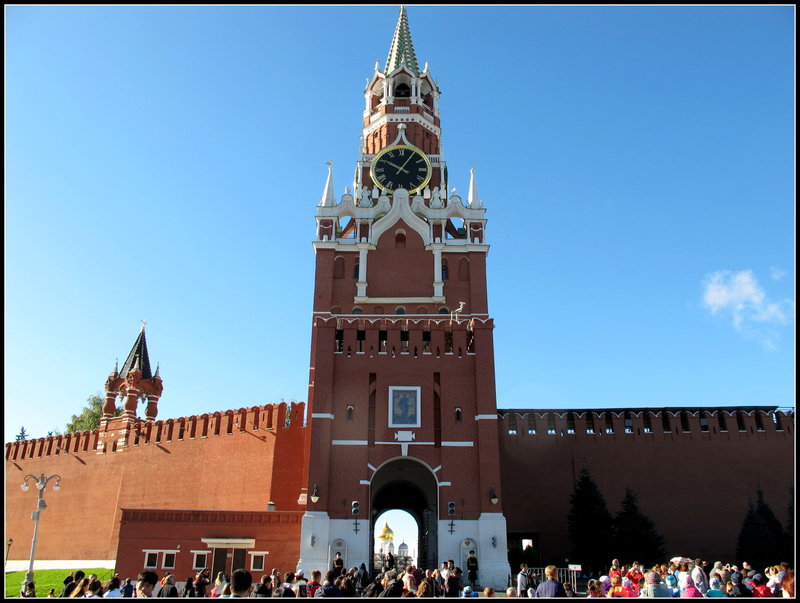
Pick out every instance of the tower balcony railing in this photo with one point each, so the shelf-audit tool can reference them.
(435, 159)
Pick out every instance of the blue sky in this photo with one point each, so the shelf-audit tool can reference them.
(165, 164)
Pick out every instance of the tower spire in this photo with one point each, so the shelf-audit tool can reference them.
(402, 52)
(473, 199)
(328, 199)
(138, 359)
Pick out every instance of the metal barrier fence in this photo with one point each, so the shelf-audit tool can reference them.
(565, 575)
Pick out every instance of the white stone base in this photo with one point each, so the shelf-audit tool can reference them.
(322, 537)
(21, 565)
(487, 537)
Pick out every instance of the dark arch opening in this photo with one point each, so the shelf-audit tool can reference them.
(409, 486)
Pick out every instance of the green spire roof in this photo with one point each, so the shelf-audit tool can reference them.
(402, 51)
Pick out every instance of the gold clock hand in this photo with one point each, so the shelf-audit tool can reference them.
(406, 163)
(399, 169)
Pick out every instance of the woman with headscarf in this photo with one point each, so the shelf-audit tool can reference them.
(688, 589)
(654, 588)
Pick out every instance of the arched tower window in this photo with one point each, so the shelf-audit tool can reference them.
(346, 229)
(400, 240)
(444, 269)
(355, 269)
(512, 424)
(402, 91)
(400, 310)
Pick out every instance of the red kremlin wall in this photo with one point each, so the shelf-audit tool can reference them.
(694, 471)
(244, 462)
(233, 483)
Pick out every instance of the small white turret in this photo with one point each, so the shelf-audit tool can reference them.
(473, 200)
(328, 199)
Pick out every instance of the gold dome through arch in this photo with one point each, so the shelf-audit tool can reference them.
(386, 533)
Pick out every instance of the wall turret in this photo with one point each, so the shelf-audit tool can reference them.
(135, 382)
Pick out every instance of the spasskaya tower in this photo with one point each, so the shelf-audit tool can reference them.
(402, 392)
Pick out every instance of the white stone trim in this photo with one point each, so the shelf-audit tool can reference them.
(399, 300)
(229, 543)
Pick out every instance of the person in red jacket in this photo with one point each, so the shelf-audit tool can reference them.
(315, 583)
(760, 589)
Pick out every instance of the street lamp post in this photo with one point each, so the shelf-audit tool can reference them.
(9, 542)
(41, 484)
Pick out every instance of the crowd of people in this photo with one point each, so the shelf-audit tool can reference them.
(679, 578)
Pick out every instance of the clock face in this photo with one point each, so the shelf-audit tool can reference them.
(401, 167)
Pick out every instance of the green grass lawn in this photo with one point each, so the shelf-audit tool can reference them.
(47, 579)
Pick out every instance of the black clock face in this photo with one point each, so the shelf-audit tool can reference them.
(401, 167)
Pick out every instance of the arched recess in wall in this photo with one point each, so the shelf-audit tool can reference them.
(338, 267)
(463, 269)
(400, 239)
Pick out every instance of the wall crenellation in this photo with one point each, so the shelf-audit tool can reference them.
(268, 418)
(746, 421)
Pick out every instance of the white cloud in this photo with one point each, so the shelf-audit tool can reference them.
(738, 297)
(777, 273)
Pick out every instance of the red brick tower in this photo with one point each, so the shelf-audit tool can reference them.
(402, 391)
(134, 383)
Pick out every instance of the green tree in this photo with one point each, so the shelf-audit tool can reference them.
(761, 537)
(635, 534)
(22, 435)
(89, 419)
(589, 525)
